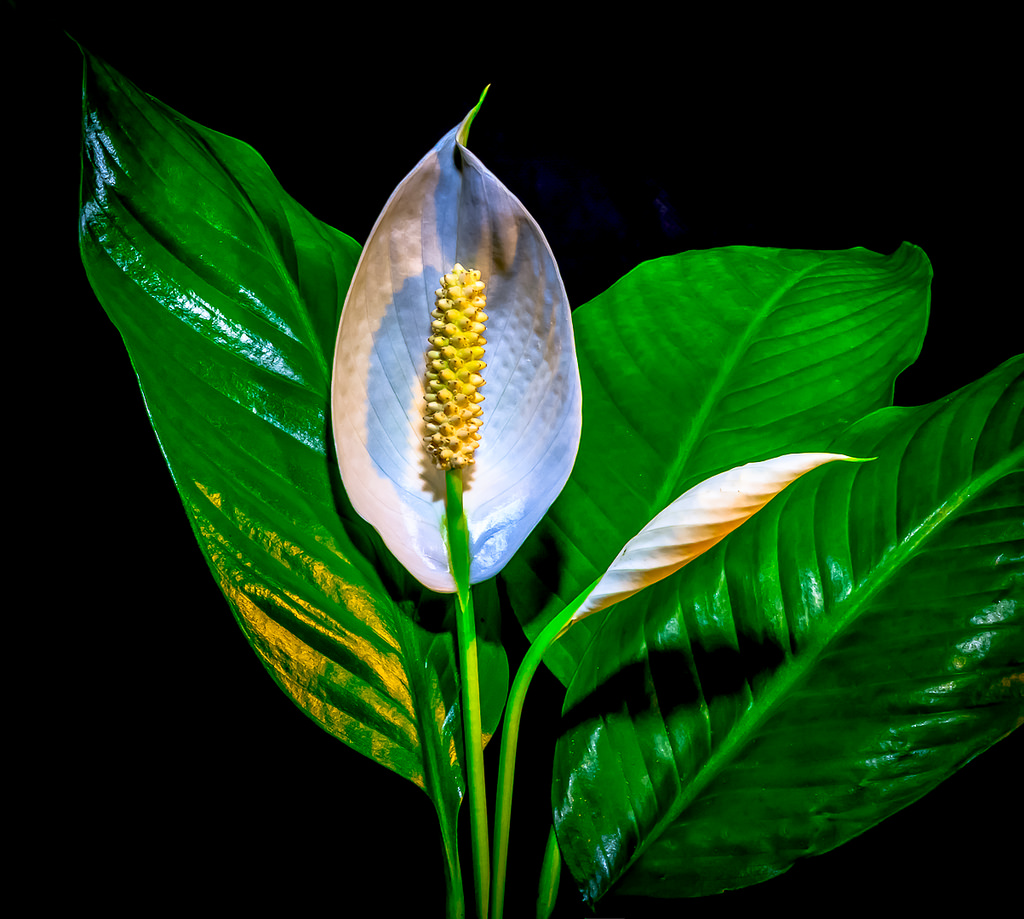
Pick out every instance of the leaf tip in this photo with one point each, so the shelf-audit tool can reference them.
(467, 122)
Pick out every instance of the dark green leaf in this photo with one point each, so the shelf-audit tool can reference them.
(700, 362)
(827, 664)
(227, 294)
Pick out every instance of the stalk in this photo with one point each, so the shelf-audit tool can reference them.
(455, 903)
(469, 672)
(509, 740)
(550, 873)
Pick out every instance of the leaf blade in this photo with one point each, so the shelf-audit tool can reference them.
(227, 295)
(782, 688)
(772, 351)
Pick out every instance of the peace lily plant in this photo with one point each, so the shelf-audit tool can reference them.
(483, 433)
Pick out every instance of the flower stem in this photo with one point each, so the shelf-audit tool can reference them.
(550, 874)
(455, 903)
(509, 739)
(469, 673)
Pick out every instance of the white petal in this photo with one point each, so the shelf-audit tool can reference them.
(451, 208)
(696, 521)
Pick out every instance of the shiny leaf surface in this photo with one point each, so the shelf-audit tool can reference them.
(227, 294)
(697, 363)
(825, 665)
(451, 209)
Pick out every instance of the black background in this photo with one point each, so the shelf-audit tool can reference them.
(160, 764)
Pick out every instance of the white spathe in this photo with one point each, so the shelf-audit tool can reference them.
(696, 521)
(450, 209)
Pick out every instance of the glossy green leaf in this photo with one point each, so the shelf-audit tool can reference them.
(701, 362)
(227, 294)
(825, 665)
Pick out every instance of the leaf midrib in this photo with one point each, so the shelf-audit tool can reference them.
(794, 670)
(667, 491)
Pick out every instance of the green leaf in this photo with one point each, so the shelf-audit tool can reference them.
(825, 665)
(700, 362)
(227, 294)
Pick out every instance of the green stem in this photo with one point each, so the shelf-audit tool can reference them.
(455, 903)
(509, 739)
(550, 874)
(469, 672)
